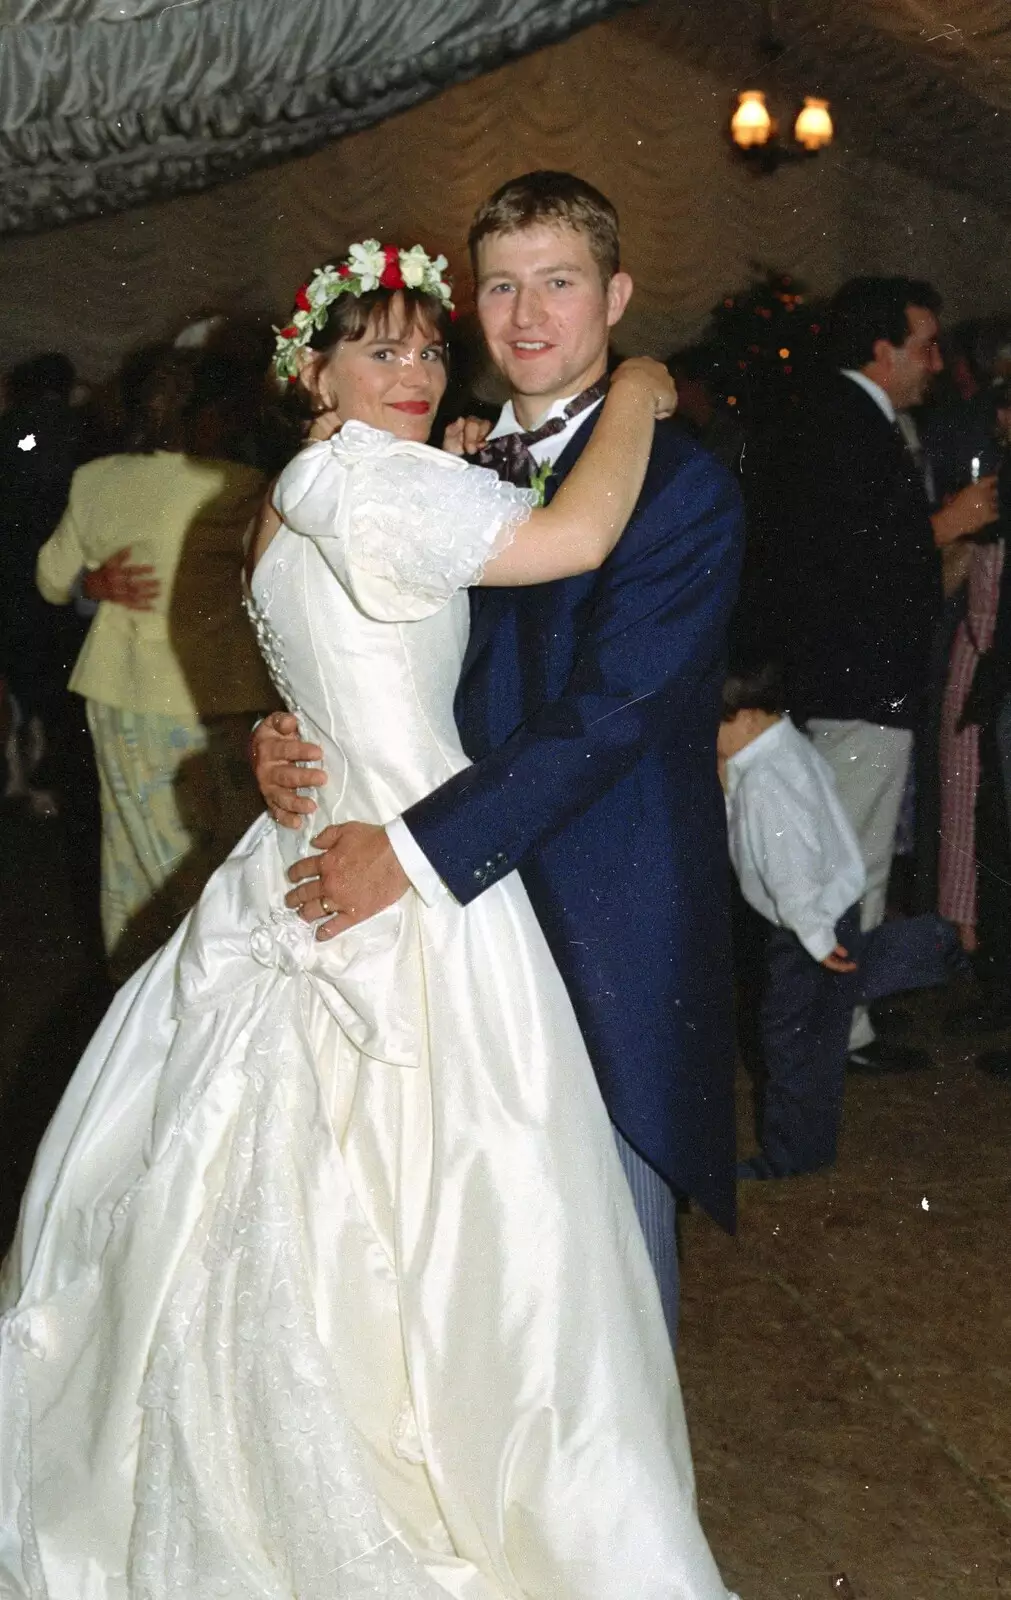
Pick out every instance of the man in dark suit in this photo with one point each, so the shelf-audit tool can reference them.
(858, 572)
(589, 709)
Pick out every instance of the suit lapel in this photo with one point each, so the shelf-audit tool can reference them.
(569, 456)
(487, 607)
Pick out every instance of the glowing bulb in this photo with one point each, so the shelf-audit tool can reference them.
(813, 127)
(751, 123)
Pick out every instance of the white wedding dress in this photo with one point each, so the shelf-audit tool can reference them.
(328, 1283)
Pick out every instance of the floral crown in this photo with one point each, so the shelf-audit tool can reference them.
(369, 265)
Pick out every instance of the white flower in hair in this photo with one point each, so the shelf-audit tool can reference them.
(414, 266)
(436, 282)
(322, 287)
(368, 263)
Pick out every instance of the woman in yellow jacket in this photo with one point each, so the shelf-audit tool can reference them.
(171, 689)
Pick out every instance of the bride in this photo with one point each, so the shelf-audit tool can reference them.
(327, 1283)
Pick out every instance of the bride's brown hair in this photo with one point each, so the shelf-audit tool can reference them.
(349, 316)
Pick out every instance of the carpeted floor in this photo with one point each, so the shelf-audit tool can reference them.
(846, 1360)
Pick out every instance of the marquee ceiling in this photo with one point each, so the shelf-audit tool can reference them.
(106, 104)
(924, 84)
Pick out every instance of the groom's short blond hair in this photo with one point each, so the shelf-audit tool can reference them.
(557, 198)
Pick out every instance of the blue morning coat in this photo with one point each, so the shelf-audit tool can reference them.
(589, 708)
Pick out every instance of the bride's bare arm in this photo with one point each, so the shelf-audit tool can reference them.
(259, 534)
(587, 516)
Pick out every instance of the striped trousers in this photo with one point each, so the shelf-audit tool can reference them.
(656, 1209)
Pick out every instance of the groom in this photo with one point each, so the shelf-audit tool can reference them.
(589, 709)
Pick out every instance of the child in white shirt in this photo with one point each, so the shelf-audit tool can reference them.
(799, 866)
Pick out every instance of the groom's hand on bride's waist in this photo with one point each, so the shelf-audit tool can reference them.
(356, 875)
(275, 754)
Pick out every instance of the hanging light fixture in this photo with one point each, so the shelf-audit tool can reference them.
(753, 130)
(813, 127)
(751, 124)
(755, 134)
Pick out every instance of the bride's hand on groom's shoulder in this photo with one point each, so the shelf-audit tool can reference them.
(466, 435)
(654, 377)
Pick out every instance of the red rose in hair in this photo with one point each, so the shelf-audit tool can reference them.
(302, 299)
(392, 277)
(289, 332)
(344, 271)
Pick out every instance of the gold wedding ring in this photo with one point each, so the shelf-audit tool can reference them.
(328, 907)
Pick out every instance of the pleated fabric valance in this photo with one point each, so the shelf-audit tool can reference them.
(105, 104)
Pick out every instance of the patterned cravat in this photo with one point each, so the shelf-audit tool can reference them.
(510, 455)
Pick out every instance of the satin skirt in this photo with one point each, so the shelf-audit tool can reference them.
(328, 1283)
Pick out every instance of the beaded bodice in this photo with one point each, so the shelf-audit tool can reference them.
(378, 698)
(360, 607)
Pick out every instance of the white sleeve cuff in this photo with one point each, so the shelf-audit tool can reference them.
(82, 605)
(424, 878)
(818, 942)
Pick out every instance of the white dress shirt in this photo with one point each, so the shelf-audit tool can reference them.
(424, 878)
(546, 449)
(795, 854)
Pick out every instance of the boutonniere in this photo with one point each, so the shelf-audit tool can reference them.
(539, 480)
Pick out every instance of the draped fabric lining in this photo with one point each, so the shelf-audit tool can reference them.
(929, 80)
(109, 103)
(637, 104)
(971, 38)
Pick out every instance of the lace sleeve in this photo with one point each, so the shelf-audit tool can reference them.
(403, 526)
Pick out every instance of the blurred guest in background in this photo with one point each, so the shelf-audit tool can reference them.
(960, 428)
(976, 752)
(800, 870)
(998, 705)
(42, 440)
(856, 561)
(977, 580)
(701, 408)
(170, 670)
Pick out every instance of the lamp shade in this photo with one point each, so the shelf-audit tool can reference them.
(813, 127)
(751, 123)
